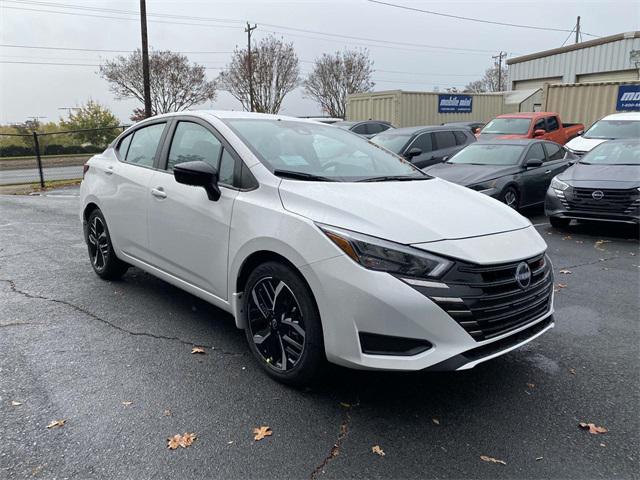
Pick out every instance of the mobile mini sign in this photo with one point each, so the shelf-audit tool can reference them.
(455, 103)
(628, 98)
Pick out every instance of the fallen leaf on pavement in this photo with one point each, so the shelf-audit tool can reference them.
(15, 404)
(167, 413)
(436, 421)
(572, 371)
(539, 458)
(56, 423)
(568, 237)
(197, 350)
(492, 460)
(345, 405)
(185, 440)
(261, 432)
(579, 241)
(593, 429)
(566, 272)
(126, 403)
(602, 445)
(531, 385)
(377, 450)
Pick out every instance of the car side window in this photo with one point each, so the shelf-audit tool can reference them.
(461, 138)
(193, 142)
(554, 151)
(227, 168)
(535, 152)
(360, 129)
(540, 125)
(552, 124)
(445, 139)
(124, 146)
(143, 146)
(423, 142)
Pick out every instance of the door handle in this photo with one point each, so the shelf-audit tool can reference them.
(109, 170)
(547, 172)
(158, 192)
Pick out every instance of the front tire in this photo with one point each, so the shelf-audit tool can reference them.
(511, 198)
(101, 253)
(283, 326)
(559, 222)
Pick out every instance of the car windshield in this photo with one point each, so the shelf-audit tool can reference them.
(391, 142)
(613, 129)
(483, 154)
(508, 126)
(313, 151)
(614, 153)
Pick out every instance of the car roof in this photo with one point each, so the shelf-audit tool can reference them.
(623, 116)
(463, 123)
(526, 115)
(514, 141)
(423, 129)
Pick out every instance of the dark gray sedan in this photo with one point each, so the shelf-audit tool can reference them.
(424, 146)
(517, 172)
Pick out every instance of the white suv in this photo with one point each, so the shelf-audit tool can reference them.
(322, 245)
(612, 127)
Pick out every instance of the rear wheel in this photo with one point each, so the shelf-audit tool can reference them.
(283, 326)
(511, 198)
(103, 257)
(559, 222)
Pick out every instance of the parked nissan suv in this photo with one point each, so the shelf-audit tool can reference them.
(322, 245)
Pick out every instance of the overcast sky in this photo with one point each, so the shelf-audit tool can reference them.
(41, 90)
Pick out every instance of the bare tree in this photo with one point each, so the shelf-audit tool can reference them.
(489, 82)
(275, 72)
(336, 76)
(176, 84)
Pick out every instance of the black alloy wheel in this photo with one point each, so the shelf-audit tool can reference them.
(101, 253)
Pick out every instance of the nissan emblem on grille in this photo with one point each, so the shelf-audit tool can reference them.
(523, 275)
(598, 195)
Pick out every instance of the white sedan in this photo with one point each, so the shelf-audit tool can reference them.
(322, 245)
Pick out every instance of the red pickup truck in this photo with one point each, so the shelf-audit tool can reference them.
(542, 125)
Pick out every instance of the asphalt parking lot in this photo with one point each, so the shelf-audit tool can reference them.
(74, 348)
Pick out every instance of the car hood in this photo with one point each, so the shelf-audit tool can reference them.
(403, 212)
(501, 136)
(581, 144)
(602, 176)
(469, 174)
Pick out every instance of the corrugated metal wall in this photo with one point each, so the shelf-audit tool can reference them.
(582, 102)
(408, 109)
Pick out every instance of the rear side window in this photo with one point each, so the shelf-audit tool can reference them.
(192, 142)
(124, 146)
(535, 153)
(360, 129)
(554, 151)
(445, 140)
(144, 145)
(377, 128)
(423, 142)
(461, 137)
(552, 124)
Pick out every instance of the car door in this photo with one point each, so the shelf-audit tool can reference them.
(553, 130)
(445, 144)
(533, 180)
(424, 142)
(557, 161)
(188, 233)
(541, 124)
(125, 196)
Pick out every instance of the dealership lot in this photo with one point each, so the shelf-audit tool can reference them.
(74, 347)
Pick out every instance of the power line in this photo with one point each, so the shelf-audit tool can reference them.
(100, 49)
(74, 64)
(471, 19)
(386, 43)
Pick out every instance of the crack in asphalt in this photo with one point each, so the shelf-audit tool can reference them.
(600, 260)
(15, 289)
(335, 449)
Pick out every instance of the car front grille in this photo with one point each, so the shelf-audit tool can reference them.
(616, 201)
(487, 301)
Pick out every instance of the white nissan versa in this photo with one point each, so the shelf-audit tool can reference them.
(322, 245)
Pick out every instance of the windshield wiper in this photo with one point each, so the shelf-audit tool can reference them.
(395, 178)
(301, 175)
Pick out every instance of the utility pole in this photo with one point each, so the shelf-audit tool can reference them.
(250, 29)
(578, 29)
(145, 59)
(499, 58)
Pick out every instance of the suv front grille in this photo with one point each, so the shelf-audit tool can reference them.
(487, 301)
(615, 201)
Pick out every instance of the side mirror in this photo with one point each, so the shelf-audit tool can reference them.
(413, 152)
(533, 163)
(539, 133)
(444, 159)
(198, 174)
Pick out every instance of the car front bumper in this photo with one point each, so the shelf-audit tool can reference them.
(554, 206)
(354, 301)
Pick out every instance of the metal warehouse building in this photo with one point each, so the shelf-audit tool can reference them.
(608, 59)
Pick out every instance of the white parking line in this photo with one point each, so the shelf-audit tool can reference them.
(541, 224)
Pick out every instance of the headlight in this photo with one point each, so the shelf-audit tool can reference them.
(485, 186)
(559, 184)
(384, 256)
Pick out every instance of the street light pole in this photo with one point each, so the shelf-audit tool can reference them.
(145, 59)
